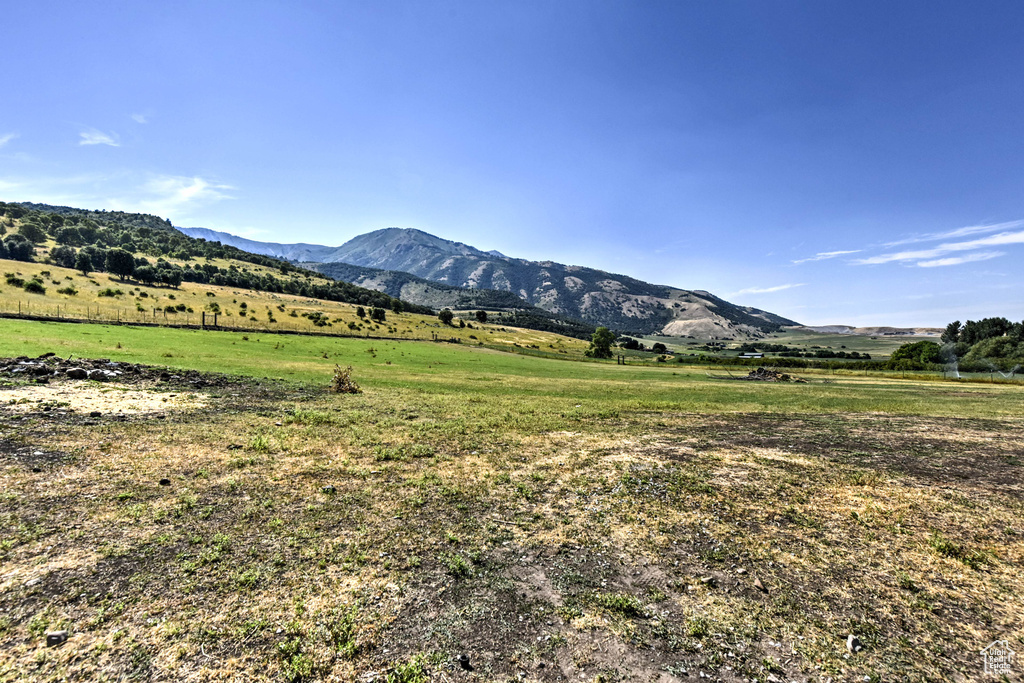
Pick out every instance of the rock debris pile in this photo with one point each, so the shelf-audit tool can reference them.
(50, 366)
(769, 375)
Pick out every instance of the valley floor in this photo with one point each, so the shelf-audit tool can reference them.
(549, 520)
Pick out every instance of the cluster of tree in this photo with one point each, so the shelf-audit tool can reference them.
(133, 232)
(539, 319)
(977, 346)
(786, 362)
(984, 344)
(967, 335)
(636, 345)
(791, 352)
(105, 242)
(17, 248)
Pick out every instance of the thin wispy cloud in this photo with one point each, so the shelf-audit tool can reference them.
(767, 290)
(957, 260)
(959, 232)
(821, 256)
(1003, 238)
(4, 139)
(168, 195)
(140, 118)
(91, 136)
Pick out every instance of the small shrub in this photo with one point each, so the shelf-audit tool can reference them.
(623, 603)
(384, 453)
(342, 382)
(412, 671)
(35, 286)
(697, 627)
(947, 548)
(455, 564)
(260, 443)
(109, 292)
(421, 450)
(69, 291)
(13, 280)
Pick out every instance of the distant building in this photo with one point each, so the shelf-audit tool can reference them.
(751, 355)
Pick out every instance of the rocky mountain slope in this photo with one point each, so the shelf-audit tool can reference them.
(592, 295)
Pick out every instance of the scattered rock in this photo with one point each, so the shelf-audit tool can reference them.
(95, 413)
(741, 571)
(853, 643)
(165, 482)
(708, 581)
(463, 661)
(329, 489)
(54, 638)
(77, 373)
(103, 375)
(760, 586)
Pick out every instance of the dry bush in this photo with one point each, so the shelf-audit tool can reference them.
(342, 382)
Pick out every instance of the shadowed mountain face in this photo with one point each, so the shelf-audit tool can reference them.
(595, 296)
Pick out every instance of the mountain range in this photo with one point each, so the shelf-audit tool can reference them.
(385, 259)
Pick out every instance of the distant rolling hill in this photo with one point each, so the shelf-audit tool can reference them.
(591, 295)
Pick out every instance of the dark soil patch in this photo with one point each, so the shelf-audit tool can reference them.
(934, 451)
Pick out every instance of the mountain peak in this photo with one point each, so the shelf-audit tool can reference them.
(595, 296)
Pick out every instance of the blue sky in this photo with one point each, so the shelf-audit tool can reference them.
(856, 163)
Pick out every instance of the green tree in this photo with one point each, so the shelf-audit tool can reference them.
(64, 256)
(83, 263)
(481, 316)
(19, 248)
(32, 232)
(917, 354)
(360, 312)
(397, 306)
(69, 235)
(446, 316)
(378, 314)
(951, 335)
(121, 263)
(147, 274)
(601, 343)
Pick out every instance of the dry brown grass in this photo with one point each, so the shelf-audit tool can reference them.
(322, 537)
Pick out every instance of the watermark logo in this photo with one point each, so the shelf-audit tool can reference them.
(998, 658)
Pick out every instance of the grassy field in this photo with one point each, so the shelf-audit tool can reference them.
(879, 346)
(103, 297)
(552, 520)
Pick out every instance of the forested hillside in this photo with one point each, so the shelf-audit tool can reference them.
(132, 245)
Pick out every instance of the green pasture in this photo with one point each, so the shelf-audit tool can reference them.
(556, 392)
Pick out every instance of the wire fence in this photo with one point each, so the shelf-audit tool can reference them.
(160, 317)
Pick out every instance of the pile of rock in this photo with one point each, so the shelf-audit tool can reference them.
(770, 375)
(50, 365)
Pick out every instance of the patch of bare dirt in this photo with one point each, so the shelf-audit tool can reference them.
(111, 398)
